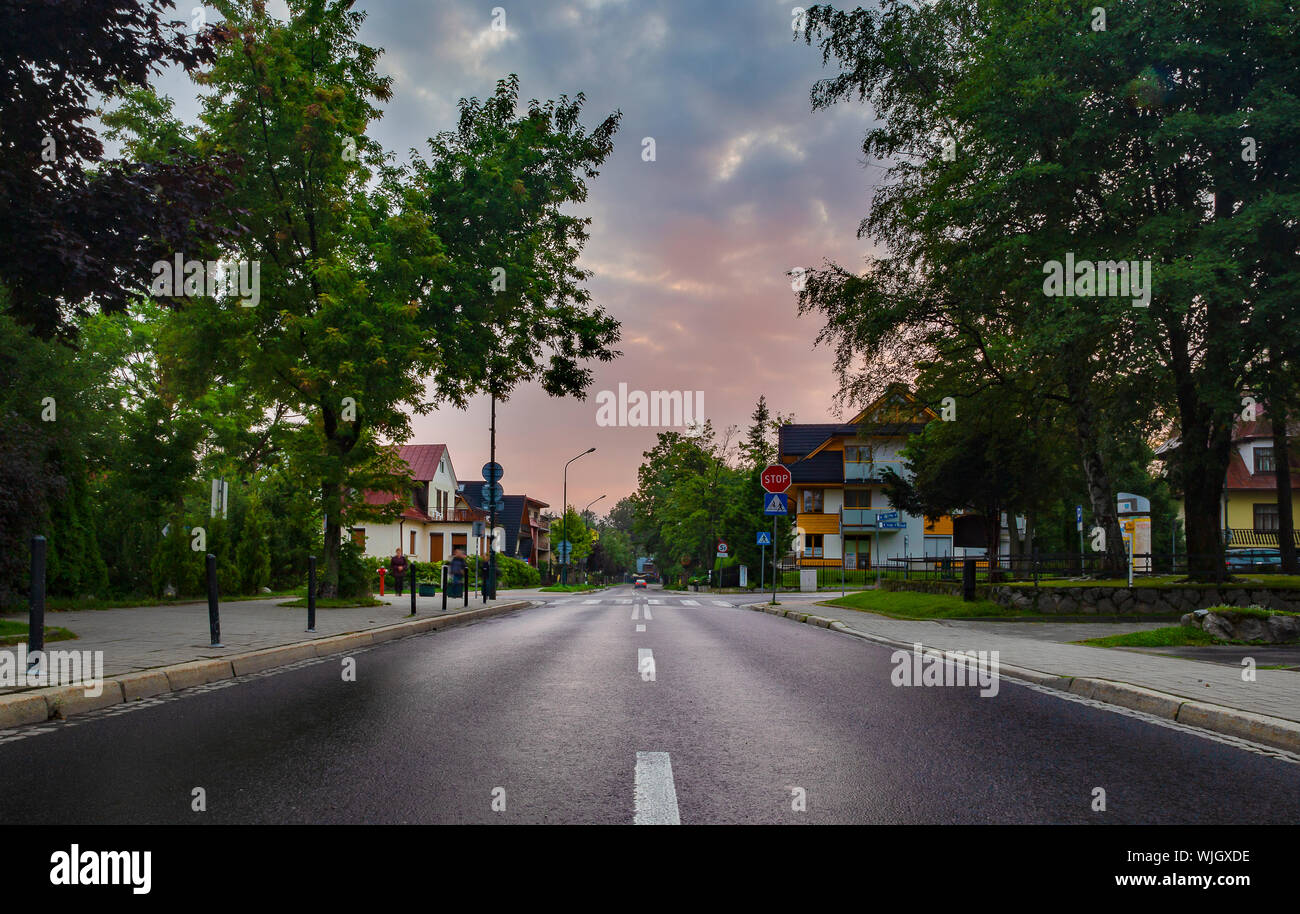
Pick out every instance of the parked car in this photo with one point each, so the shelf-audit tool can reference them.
(1256, 559)
(638, 582)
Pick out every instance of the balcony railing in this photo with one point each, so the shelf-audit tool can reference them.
(860, 518)
(855, 471)
(454, 516)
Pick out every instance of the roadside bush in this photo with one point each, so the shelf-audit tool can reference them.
(354, 572)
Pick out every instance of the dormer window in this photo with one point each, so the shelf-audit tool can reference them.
(1264, 460)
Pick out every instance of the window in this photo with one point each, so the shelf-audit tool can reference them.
(857, 498)
(412, 552)
(1264, 460)
(359, 537)
(857, 453)
(812, 544)
(1266, 518)
(813, 499)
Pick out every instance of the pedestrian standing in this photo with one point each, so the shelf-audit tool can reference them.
(458, 569)
(397, 566)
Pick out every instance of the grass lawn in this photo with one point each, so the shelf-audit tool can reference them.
(1172, 636)
(333, 603)
(13, 632)
(902, 604)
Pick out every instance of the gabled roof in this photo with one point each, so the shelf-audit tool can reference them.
(423, 459)
(383, 498)
(1242, 430)
(798, 439)
(809, 438)
(828, 466)
(897, 398)
(1240, 477)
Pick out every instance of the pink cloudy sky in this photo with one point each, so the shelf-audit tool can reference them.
(690, 251)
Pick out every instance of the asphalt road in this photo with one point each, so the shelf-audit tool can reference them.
(552, 712)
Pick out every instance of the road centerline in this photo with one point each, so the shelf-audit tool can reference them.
(654, 793)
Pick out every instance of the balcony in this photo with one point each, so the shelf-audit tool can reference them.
(855, 471)
(860, 519)
(455, 516)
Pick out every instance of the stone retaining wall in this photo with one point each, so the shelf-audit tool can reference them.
(1110, 601)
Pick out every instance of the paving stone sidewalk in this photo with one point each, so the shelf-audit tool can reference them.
(143, 637)
(1035, 646)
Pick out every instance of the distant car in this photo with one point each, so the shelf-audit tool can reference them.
(1266, 559)
(638, 582)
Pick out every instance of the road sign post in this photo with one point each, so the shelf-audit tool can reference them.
(775, 480)
(774, 568)
(763, 541)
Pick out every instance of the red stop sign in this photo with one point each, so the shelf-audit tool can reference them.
(776, 478)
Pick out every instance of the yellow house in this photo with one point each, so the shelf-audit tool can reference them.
(1250, 489)
(837, 496)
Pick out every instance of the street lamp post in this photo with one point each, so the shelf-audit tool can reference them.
(564, 510)
(584, 515)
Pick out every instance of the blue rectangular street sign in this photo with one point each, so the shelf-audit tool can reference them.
(775, 503)
(764, 538)
(886, 515)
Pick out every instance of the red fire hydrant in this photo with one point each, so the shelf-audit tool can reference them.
(382, 572)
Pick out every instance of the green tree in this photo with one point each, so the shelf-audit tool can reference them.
(1015, 139)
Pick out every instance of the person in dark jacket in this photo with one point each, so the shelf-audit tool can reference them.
(397, 567)
(458, 569)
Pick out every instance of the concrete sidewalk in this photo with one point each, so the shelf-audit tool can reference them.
(1275, 693)
(145, 637)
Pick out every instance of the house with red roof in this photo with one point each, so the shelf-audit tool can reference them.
(1249, 515)
(437, 518)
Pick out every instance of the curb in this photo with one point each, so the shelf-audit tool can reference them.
(56, 702)
(1259, 728)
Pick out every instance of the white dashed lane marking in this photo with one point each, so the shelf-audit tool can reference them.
(654, 793)
(640, 628)
(645, 664)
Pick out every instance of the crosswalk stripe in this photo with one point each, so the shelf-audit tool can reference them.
(720, 603)
(689, 603)
(590, 602)
(656, 602)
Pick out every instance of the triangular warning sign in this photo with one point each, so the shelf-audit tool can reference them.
(776, 504)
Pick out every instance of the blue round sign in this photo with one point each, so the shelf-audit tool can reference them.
(493, 472)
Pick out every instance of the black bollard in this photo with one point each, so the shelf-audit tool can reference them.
(465, 587)
(311, 593)
(36, 602)
(415, 586)
(444, 587)
(968, 579)
(214, 616)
